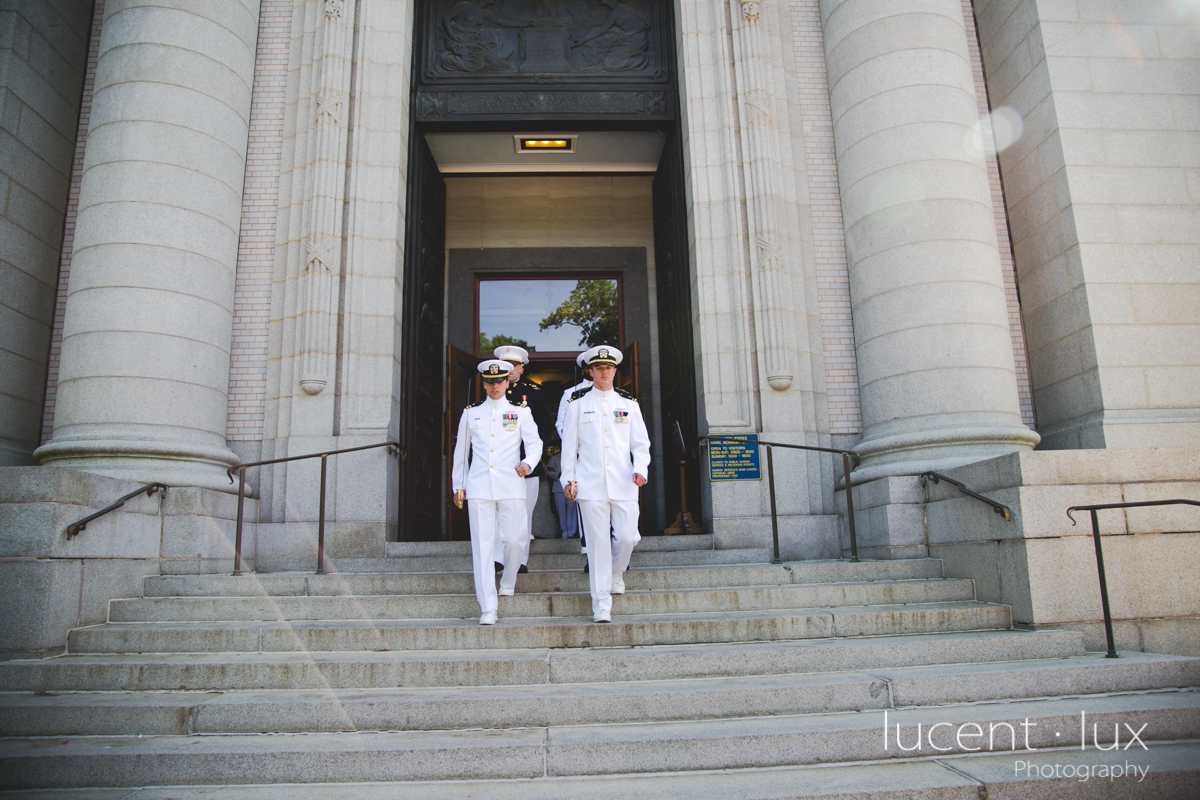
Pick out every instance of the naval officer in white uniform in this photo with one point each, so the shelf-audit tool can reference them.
(491, 435)
(586, 383)
(524, 392)
(605, 460)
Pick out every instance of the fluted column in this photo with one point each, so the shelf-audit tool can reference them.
(145, 355)
(770, 248)
(935, 365)
(324, 189)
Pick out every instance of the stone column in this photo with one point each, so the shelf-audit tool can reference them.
(935, 363)
(145, 355)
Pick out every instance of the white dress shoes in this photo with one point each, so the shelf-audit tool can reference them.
(489, 618)
(618, 587)
(502, 592)
(602, 616)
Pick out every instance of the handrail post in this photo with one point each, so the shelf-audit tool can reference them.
(850, 508)
(774, 515)
(1108, 627)
(239, 566)
(321, 523)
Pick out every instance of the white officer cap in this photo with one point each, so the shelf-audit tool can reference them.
(510, 352)
(603, 354)
(581, 359)
(494, 370)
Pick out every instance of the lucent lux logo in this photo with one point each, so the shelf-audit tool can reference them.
(972, 737)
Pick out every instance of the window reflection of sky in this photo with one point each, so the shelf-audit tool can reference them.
(515, 308)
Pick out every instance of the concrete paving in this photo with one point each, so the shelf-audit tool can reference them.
(736, 743)
(383, 669)
(545, 705)
(716, 660)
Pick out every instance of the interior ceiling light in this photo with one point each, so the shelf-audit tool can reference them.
(545, 144)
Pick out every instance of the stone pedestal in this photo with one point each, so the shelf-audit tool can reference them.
(1045, 568)
(935, 364)
(889, 519)
(50, 583)
(142, 389)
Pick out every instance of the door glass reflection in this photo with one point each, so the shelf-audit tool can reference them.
(548, 315)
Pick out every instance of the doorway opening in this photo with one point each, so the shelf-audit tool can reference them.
(545, 209)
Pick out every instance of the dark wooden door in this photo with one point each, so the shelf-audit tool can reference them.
(421, 403)
(676, 351)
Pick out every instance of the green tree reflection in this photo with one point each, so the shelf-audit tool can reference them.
(592, 306)
(489, 343)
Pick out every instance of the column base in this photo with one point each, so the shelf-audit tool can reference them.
(922, 451)
(172, 463)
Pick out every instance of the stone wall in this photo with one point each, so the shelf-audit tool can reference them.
(1101, 192)
(43, 55)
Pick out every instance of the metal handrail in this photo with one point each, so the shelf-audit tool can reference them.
(239, 565)
(75, 528)
(999, 508)
(1108, 629)
(846, 456)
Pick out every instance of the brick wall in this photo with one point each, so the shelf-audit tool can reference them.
(256, 247)
(829, 244)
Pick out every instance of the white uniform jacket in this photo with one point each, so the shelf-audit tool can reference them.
(604, 444)
(562, 405)
(492, 432)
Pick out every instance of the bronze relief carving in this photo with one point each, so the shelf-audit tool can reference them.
(574, 39)
(544, 59)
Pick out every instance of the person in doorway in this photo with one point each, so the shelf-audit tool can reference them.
(586, 383)
(525, 393)
(567, 510)
(491, 436)
(605, 460)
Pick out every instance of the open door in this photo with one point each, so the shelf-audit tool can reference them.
(421, 404)
(463, 386)
(631, 371)
(677, 371)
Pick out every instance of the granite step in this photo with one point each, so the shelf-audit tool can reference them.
(548, 546)
(573, 580)
(590, 750)
(548, 705)
(554, 561)
(527, 632)
(537, 604)
(497, 667)
(1164, 770)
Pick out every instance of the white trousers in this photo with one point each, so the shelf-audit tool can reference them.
(606, 564)
(531, 495)
(496, 526)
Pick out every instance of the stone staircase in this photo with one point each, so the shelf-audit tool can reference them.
(721, 676)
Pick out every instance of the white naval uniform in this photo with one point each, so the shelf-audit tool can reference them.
(562, 404)
(492, 432)
(604, 443)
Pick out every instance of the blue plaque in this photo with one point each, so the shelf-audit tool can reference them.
(734, 460)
